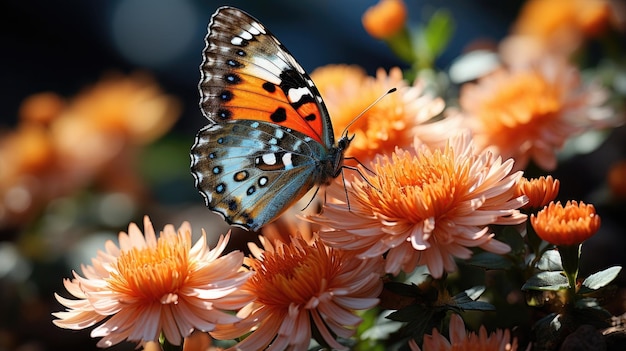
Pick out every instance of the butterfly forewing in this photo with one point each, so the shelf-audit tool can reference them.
(248, 74)
(269, 138)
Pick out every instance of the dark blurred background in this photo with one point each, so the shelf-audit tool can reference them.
(63, 46)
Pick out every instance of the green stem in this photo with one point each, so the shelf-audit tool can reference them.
(570, 258)
(402, 45)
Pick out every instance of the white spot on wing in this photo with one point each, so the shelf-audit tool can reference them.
(269, 159)
(236, 41)
(253, 29)
(287, 161)
(245, 35)
(279, 133)
(296, 94)
(256, 28)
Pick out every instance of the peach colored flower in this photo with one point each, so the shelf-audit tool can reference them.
(115, 112)
(566, 225)
(425, 207)
(385, 19)
(564, 23)
(529, 113)
(303, 290)
(461, 340)
(41, 108)
(395, 121)
(555, 28)
(60, 146)
(540, 191)
(148, 286)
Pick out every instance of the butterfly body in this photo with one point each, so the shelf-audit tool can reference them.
(269, 139)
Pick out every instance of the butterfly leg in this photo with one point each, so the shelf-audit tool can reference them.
(361, 164)
(360, 173)
(313, 198)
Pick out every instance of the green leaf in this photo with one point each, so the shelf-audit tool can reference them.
(477, 306)
(402, 289)
(467, 300)
(550, 281)
(600, 279)
(381, 328)
(589, 311)
(488, 260)
(429, 41)
(475, 292)
(511, 236)
(409, 313)
(547, 332)
(550, 261)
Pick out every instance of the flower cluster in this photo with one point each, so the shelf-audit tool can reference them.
(445, 194)
(61, 146)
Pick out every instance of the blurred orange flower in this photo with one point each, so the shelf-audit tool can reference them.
(303, 290)
(385, 19)
(395, 121)
(555, 28)
(529, 113)
(617, 179)
(540, 191)
(61, 146)
(566, 225)
(460, 339)
(148, 286)
(425, 207)
(562, 21)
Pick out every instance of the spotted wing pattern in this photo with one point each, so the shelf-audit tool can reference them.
(248, 74)
(269, 139)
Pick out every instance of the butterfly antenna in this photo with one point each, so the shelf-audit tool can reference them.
(345, 131)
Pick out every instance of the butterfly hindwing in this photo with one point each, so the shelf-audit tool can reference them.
(244, 163)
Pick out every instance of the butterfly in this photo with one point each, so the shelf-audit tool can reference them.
(270, 138)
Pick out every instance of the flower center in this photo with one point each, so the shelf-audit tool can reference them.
(416, 188)
(525, 105)
(294, 274)
(153, 274)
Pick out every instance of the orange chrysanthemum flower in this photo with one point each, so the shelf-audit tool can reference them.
(529, 113)
(540, 191)
(41, 108)
(302, 287)
(617, 179)
(563, 19)
(460, 339)
(385, 19)
(148, 286)
(395, 121)
(566, 225)
(108, 113)
(425, 207)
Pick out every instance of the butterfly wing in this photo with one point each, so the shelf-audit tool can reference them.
(248, 74)
(249, 172)
(270, 139)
